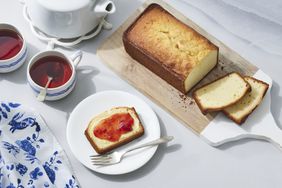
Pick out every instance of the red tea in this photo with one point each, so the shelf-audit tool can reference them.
(10, 44)
(54, 66)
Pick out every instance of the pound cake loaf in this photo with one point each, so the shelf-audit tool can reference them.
(221, 93)
(113, 128)
(169, 48)
(243, 108)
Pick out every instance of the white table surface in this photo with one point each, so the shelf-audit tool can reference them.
(187, 161)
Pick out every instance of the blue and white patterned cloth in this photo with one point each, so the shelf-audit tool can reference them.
(30, 155)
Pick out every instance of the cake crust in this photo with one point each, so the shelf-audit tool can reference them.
(174, 73)
(103, 150)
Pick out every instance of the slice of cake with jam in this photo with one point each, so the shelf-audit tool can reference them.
(113, 128)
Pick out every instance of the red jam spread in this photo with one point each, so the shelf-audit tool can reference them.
(114, 126)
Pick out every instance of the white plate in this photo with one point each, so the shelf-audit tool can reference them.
(97, 103)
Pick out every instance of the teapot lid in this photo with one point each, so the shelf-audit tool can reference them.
(64, 5)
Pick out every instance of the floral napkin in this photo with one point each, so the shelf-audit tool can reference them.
(30, 155)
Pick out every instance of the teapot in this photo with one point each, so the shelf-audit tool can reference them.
(68, 18)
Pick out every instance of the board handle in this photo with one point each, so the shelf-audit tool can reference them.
(261, 124)
(217, 134)
(271, 132)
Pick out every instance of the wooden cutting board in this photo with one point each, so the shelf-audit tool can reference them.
(181, 106)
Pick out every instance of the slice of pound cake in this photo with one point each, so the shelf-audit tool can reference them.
(221, 93)
(243, 108)
(113, 128)
(169, 48)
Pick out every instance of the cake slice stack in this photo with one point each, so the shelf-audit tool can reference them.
(221, 93)
(233, 94)
(243, 108)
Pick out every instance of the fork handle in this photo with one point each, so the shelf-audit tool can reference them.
(152, 143)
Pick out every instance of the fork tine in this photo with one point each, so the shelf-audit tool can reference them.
(100, 163)
(101, 160)
(104, 155)
(101, 157)
(103, 164)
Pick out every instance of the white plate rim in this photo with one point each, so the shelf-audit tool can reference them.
(114, 92)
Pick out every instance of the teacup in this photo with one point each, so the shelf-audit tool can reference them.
(13, 50)
(57, 65)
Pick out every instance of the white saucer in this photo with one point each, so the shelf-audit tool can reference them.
(97, 103)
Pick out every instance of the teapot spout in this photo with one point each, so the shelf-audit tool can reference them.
(104, 7)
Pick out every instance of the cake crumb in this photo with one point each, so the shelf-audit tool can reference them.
(182, 96)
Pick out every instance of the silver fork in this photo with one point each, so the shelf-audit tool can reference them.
(116, 157)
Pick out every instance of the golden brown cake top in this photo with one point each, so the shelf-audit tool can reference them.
(168, 40)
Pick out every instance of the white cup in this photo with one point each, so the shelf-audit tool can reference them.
(9, 65)
(63, 90)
